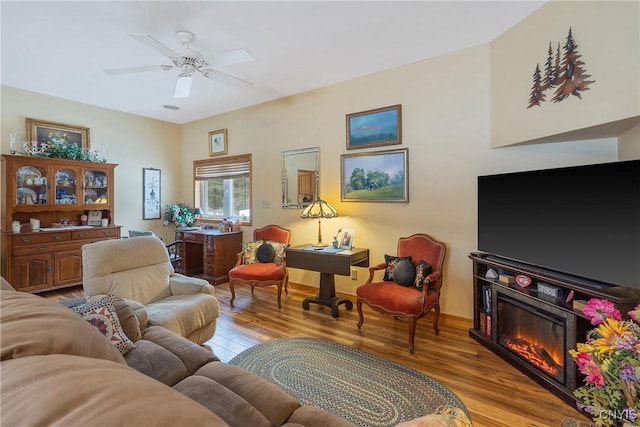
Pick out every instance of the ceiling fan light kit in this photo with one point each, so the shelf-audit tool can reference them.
(188, 61)
(183, 85)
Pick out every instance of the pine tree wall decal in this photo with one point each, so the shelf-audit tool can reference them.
(537, 90)
(565, 73)
(573, 72)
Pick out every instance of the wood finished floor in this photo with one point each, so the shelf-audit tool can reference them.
(495, 393)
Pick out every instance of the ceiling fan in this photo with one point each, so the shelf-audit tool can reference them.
(188, 61)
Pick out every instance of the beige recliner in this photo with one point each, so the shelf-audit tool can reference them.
(139, 271)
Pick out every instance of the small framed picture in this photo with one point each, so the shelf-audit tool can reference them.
(347, 238)
(150, 193)
(218, 142)
(94, 218)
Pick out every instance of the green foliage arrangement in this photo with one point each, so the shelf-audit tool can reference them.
(179, 213)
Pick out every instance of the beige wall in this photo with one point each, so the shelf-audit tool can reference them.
(608, 36)
(134, 143)
(445, 105)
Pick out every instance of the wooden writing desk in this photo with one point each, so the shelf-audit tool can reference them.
(328, 262)
(208, 253)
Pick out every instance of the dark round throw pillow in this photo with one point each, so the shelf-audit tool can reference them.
(265, 253)
(405, 273)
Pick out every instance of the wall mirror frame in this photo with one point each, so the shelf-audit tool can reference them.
(300, 177)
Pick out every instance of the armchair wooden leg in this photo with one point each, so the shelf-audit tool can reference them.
(436, 316)
(252, 288)
(279, 285)
(360, 317)
(412, 332)
(233, 293)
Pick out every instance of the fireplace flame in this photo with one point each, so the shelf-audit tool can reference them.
(533, 353)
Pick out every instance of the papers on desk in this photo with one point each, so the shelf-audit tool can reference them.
(326, 249)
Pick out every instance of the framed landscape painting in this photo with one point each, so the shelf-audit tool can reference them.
(380, 176)
(382, 126)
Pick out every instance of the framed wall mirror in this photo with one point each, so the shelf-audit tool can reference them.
(300, 177)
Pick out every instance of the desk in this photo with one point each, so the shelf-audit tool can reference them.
(327, 262)
(208, 253)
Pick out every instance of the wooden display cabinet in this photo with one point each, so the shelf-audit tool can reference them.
(56, 192)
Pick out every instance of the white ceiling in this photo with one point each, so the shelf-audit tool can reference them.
(62, 48)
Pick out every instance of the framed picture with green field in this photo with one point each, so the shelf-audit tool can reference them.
(377, 176)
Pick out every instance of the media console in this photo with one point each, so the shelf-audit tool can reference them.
(534, 327)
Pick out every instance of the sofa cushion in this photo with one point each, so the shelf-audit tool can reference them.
(183, 314)
(65, 390)
(314, 416)
(100, 311)
(32, 325)
(244, 390)
(138, 269)
(166, 356)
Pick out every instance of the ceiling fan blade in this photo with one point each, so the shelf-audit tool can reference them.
(224, 78)
(128, 70)
(154, 44)
(235, 56)
(183, 85)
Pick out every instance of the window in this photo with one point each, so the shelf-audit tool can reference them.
(223, 187)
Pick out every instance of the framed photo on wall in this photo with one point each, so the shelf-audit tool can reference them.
(377, 176)
(218, 142)
(151, 193)
(372, 128)
(42, 131)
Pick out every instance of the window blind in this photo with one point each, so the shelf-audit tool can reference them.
(222, 168)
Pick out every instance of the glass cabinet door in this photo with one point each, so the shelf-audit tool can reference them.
(96, 187)
(31, 182)
(66, 187)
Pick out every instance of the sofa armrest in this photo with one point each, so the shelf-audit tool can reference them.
(183, 285)
(140, 311)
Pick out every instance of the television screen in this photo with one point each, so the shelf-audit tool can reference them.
(582, 220)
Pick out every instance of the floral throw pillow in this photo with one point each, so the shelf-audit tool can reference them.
(423, 269)
(279, 248)
(250, 250)
(392, 263)
(101, 313)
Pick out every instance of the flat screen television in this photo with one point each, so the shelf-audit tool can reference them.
(583, 220)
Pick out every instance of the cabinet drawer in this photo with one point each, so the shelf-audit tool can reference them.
(98, 233)
(198, 238)
(44, 237)
(45, 247)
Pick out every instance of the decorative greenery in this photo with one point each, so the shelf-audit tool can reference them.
(610, 361)
(58, 146)
(179, 213)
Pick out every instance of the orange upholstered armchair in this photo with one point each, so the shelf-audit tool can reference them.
(411, 284)
(262, 261)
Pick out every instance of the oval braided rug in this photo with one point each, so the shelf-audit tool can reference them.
(359, 386)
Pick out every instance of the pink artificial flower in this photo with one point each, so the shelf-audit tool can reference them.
(589, 368)
(598, 310)
(635, 314)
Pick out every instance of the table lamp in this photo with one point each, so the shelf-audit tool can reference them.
(197, 213)
(319, 209)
